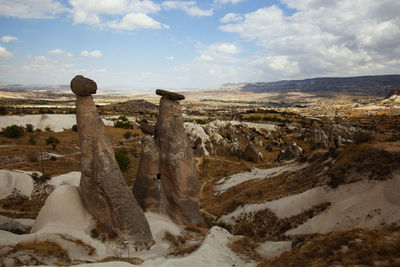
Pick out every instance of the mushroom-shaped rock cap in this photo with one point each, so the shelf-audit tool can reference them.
(82, 86)
(148, 129)
(170, 95)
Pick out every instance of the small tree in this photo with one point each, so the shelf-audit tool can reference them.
(52, 141)
(29, 128)
(122, 159)
(13, 131)
(127, 135)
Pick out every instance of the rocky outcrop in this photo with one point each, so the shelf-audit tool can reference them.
(177, 164)
(148, 129)
(147, 187)
(293, 151)
(13, 226)
(252, 154)
(393, 92)
(103, 188)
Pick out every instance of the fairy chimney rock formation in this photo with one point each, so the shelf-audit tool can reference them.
(177, 163)
(103, 189)
(147, 188)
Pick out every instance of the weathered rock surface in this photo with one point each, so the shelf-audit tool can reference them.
(82, 86)
(293, 151)
(13, 226)
(252, 154)
(170, 95)
(147, 187)
(177, 164)
(103, 188)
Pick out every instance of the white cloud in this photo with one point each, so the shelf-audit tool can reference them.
(227, 1)
(7, 38)
(205, 58)
(57, 51)
(323, 37)
(128, 14)
(135, 21)
(93, 54)
(170, 58)
(190, 7)
(4, 53)
(31, 9)
(219, 52)
(231, 17)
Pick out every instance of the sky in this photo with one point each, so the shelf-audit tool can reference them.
(195, 44)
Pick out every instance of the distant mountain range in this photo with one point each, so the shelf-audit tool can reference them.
(379, 85)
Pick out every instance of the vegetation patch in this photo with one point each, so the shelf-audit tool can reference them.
(347, 248)
(265, 225)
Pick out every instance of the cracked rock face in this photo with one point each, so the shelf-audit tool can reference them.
(103, 188)
(147, 187)
(177, 163)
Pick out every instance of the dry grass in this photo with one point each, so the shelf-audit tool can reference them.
(41, 251)
(363, 161)
(346, 248)
(102, 232)
(21, 207)
(246, 247)
(89, 249)
(261, 190)
(183, 243)
(133, 260)
(265, 225)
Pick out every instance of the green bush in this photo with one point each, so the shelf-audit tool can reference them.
(32, 140)
(123, 160)
(3, 110)
(145, 121)
(123, 124)
(13, 131)
(52, 141)
(127, 135)
(122, 118)
(29, 128)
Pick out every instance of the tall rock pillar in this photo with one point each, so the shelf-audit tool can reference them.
(177, 163)
(103, 188)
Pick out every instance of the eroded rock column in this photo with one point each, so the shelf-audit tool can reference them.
(103, 188)
(177, 163)
(147, 187)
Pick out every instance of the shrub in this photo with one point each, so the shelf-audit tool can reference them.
(122, 160)
(52, 141)
(145, 121)
(29, 128)
(3, 110)
(47, 128)
(13, 131)
(122, 118)
(123, 124)
(75, 128)
(127, 135)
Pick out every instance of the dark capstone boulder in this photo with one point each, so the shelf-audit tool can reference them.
(170, 95)
(82, 86)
